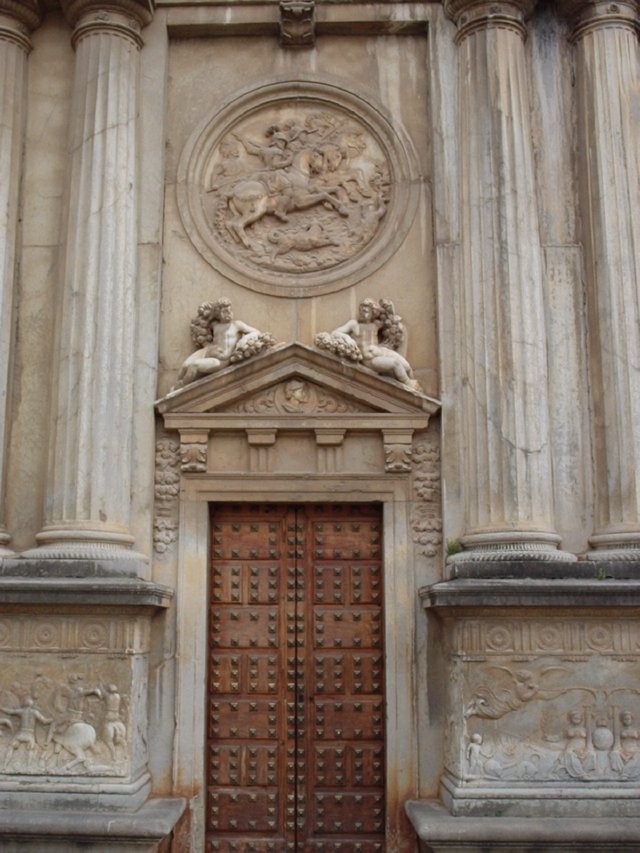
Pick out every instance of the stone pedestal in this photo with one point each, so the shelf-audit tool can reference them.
(607, 85)
(87, 509)
(506, 469)
(73, 712)
(541, 712)
(16, 21)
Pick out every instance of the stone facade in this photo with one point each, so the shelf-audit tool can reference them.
(312, 253)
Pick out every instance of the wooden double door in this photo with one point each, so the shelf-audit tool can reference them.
(295, 748)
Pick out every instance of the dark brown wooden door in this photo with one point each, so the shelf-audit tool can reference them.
(295, 750)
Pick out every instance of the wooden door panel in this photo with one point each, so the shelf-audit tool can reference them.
(335, 583)
(296, 683)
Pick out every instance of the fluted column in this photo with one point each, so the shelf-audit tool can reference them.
(87, 507)
(507, 462)
(608, 106)
(17, 19)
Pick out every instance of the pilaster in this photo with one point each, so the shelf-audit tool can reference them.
(16, 22)
(503, 366)
(87, 507)
(607, 93)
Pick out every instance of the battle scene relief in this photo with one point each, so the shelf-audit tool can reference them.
(75, 722)
(297, 188)
(303, 189)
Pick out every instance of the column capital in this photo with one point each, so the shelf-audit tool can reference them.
(471, 15)
(121, 17)
(587, 15)
(18, 18)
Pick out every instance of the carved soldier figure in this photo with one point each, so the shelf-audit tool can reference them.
(221, 340)
(26, 734)
(114, 729)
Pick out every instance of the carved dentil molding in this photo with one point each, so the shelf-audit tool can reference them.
(470, 15)
(587, 15)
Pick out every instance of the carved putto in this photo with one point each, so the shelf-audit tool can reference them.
(296, 192)
(221, 341)
(375, 338)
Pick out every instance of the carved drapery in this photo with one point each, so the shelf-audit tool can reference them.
(608, 86)
(507, 468)
(16, 21)
(88, 489)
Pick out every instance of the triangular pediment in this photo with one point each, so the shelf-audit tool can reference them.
(293, 380)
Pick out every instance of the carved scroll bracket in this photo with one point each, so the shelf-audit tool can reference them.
(397, 450)
(194, 444)
(297, 23)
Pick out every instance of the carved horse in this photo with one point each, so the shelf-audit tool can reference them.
(279, 193)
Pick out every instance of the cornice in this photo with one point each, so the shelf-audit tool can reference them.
(141, 11)
(26, 12)
(588, 15)
(471, 15)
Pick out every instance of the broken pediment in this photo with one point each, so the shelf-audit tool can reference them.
(291, 380)
(294, 389)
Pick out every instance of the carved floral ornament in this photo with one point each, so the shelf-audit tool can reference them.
(297, 188)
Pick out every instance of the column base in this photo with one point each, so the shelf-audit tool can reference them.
(5, 538)
(92, 551)
(615, 547)
(510, 545)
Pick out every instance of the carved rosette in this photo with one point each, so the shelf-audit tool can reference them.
(297, 188)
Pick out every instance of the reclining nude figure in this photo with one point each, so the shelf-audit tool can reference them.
(221, 340)
(374, 338)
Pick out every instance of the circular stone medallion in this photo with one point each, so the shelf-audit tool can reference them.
(297, 188)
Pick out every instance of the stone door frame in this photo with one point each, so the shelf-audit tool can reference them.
(393, 492)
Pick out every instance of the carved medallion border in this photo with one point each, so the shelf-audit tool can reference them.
(389, 225)
(73, 634)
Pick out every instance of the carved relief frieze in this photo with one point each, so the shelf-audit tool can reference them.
(293, 188)
(166, 490)
(38, 633)
(543, 722)
(295, 396)
(547, 701)
(550, 637)
(64, 718)
(426, 513)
